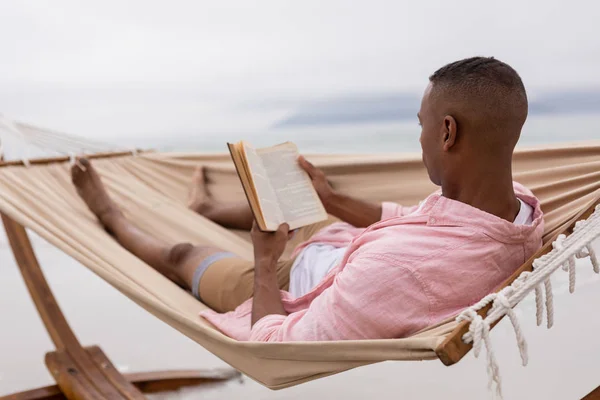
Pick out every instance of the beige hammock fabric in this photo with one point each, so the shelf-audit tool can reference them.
(152, 189)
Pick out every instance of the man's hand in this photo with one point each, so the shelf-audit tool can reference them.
(319, 180)
(353, 211)
(269, 246)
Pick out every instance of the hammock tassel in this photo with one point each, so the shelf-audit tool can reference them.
(539, 297)
(564, 254)
(594, 258)
(539, 305)
(549, 303)
(479, 331)
(503, 303)
(571, 268)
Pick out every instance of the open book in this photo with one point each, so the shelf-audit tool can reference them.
(278, 189)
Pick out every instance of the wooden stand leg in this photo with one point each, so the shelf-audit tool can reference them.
(594, 395)
(146, 382)
(83, 373)
(44, 393)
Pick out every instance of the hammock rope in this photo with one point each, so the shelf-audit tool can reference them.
(565, 251)
(53, 141)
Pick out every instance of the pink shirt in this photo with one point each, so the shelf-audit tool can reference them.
(414, 268)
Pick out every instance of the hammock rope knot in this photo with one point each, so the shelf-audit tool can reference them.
(588, 251)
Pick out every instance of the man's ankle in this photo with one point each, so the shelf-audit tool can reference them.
(109, 217)
(204, 208)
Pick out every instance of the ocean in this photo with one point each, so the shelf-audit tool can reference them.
(388, 137)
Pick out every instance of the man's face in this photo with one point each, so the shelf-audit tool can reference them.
(430, 143)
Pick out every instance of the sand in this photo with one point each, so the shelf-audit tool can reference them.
(563, 360)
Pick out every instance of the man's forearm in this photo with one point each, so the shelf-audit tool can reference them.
(267, 299)
(353, 211)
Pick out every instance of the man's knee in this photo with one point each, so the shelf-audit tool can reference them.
(227, 287)
(244, 286)
(179, 253)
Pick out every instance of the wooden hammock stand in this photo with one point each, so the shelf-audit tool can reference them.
(85, 373)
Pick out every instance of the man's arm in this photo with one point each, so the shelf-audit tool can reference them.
(268, 247)
(356, 212)
(353, 211)
(267, 299)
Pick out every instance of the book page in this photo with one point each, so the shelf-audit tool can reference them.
(298, 200)
(267, 198)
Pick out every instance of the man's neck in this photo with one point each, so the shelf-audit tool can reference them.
(489, 192)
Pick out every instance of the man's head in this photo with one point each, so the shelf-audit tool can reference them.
(471, 115)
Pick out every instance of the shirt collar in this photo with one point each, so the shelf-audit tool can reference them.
(442, 211)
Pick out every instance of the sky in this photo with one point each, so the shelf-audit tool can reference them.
(109, 68)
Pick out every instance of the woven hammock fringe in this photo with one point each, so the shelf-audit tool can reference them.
(564, 253)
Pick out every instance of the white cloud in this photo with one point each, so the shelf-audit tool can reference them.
(150, 66)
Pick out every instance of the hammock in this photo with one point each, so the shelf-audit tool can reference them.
(152, 188)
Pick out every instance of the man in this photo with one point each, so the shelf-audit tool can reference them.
(386, 271)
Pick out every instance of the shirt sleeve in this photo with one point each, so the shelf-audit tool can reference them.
(367, 300)
(391, 210)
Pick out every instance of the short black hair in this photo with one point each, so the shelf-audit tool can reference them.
(489, 90)
(484, 71)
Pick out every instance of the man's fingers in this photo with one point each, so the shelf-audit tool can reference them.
(255, 231)
(284, 228)
(307, 166)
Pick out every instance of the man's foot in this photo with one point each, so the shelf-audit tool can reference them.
(199, 199)
(91, 190)
(232, 215)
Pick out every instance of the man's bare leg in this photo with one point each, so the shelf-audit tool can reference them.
(176, 262)
(229, 215)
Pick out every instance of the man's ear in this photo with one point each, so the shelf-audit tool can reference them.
(450, 132)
